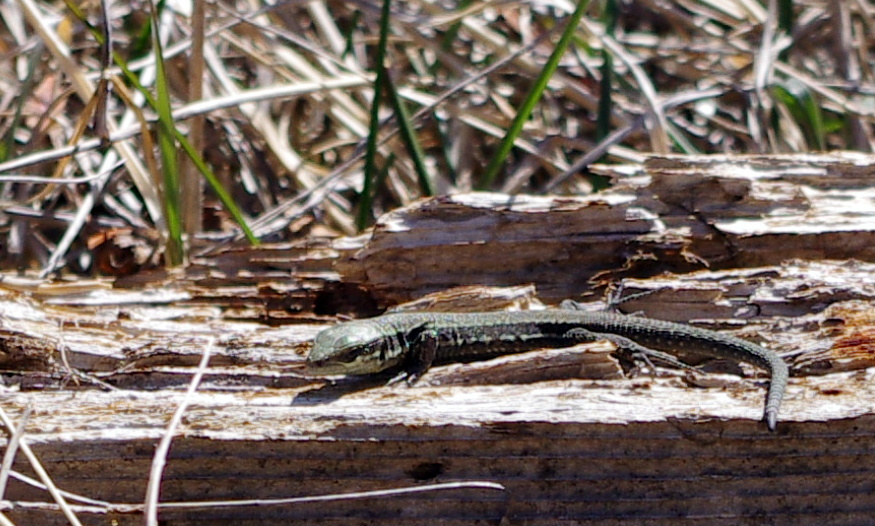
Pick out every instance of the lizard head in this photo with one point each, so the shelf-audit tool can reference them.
(354, 347)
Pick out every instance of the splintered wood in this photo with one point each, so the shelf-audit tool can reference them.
(776, 250)
(672, 214)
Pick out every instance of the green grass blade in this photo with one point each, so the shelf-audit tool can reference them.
(452, 32)
(365, 214)
(605, 106)
(786, 18)
(532, 98)
(609, 16)
(223, 195)
(805, 110)
(349, 34)
(7, 144)
(408, 135)
(166, 133)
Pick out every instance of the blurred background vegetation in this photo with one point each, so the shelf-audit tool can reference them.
(135, 135)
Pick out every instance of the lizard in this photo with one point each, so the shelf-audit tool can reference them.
(413, 341)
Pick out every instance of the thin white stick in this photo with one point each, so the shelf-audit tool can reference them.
(474, 484)
(160, 458)
(12, 449)
(69, 495)
(38, 468)
(189, 110)
(102, 508)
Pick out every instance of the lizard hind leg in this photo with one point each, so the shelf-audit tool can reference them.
(639, 352)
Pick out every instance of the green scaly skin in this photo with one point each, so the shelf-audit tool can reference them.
(416, 340)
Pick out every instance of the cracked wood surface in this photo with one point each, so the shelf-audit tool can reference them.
(774, 249)
(672, 214)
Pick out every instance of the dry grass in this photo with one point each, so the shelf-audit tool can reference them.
(278, 100)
